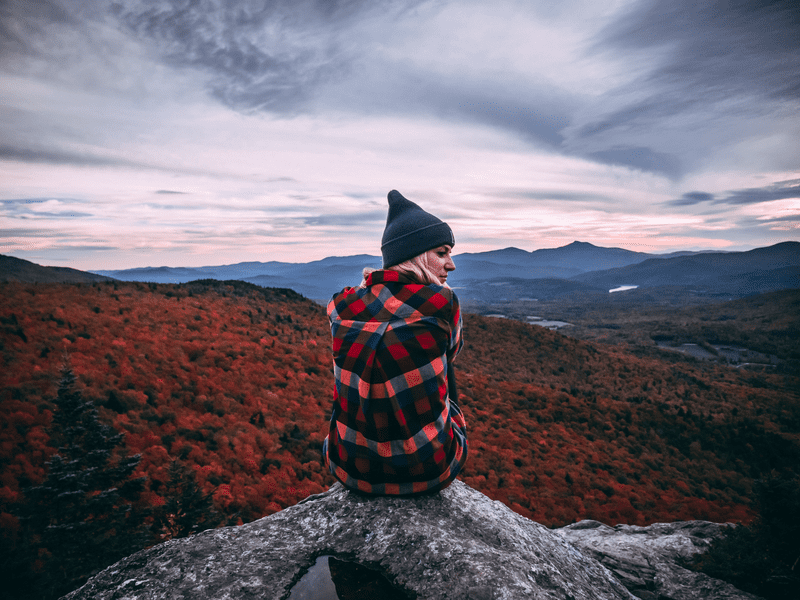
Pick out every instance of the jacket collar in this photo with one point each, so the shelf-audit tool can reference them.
(386, 276)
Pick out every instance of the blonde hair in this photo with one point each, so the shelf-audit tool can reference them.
(416, 268)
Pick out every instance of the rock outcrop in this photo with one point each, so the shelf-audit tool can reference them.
(647, 560)
(456, 544)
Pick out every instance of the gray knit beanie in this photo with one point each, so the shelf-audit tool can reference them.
(410, 231)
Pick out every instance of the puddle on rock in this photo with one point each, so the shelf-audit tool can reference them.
(316, 584)
(334, 579)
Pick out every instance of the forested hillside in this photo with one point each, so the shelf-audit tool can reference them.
(233, 381)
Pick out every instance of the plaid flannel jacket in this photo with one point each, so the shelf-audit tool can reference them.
(394, 430)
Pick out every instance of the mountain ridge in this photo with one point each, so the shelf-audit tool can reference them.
(508, 274)
(18, 269)
(702, 269)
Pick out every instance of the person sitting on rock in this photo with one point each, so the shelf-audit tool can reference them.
(396, 427)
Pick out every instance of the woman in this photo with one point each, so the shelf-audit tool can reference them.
(396, 428)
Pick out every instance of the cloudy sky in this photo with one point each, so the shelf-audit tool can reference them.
(203, 132)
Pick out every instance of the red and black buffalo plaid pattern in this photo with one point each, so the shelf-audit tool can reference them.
(394, 430)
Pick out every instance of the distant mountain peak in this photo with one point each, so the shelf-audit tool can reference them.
(513, 249)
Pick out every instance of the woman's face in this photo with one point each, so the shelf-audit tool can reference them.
(439, 262)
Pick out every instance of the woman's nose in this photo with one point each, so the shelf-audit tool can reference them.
(449, 265)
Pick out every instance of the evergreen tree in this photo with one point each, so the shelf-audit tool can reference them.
(82, 518)
(186, 510)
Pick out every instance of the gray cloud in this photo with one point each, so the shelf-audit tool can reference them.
(644, 159)
(360, 195)
(717, 64)
(21, 202)
(535, 113)
(342, 220)
(709, 67)
(19, 232)
(55, 156)
(257, 55)
(777, 191)
(23, 23)
(719, 48)
(61, 214)
(691, 198)
(83, 248)
(282, 57)
(540, 119)
(26, 209)
(543, 195)
(788, 218)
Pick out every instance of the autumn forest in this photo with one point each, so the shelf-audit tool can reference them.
(226, 386)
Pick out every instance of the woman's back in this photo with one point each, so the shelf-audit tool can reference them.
(394, 428)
